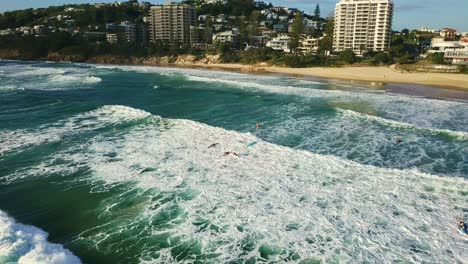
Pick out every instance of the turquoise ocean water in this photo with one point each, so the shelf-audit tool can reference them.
(111, 164)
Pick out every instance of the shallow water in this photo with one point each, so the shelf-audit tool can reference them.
(113, 163)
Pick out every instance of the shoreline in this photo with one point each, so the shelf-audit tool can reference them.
(367, 75)
(377, 75)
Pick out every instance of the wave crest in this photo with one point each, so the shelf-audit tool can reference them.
(27, 244)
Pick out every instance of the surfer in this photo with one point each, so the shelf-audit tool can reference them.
(258, 125)
(462, 226)
(213, 145)
(227, 153)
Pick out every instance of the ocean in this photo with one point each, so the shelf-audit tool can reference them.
(133, 164)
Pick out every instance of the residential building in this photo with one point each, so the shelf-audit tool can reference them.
(257, 41)
(272, 16)
(362, 25)
(457, 56)
(171, 23)
(440, 45)
(112, 38)
(200, 35)
(309, 45)
(280, 43)
(427, 30)
(129, 31)
(6, 32)
(268, 33)
(39, 30)
(24, 31)
(230, 36)
(464, 37)
(280, 27)
(448, 33)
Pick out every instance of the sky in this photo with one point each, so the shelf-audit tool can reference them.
(410, 14)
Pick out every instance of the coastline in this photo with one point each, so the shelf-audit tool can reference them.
(377, 75)
(370, 75)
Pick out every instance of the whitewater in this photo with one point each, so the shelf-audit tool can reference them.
(112, 164)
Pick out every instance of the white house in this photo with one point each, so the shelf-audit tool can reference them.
(280, 43)
(439, 44)
(459, 56)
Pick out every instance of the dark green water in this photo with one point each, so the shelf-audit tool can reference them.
(113, 163)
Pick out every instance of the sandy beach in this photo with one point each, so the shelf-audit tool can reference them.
(364, 74)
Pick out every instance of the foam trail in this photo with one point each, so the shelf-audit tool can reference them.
(271, 203)
(24, 244)
(349, 113)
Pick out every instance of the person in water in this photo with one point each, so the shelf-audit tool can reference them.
(227, 153)
(258, 126)
(462, 226)
(213, 145)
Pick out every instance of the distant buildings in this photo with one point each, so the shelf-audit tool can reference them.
(427, 30)
(233, 37)
(200, 35)
(362, 25)
(171, 23)
(440, 44)
(112, 38)
(127, 32)
(448, 33)
(457, 56)
(280, 43)
(308, 45)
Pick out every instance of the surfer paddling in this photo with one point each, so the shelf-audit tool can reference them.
(213, 145)
(258, 125)
(231, 153)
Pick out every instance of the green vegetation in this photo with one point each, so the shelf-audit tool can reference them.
(348, 56)
(297, 30)
(83, 15)
(405, 46)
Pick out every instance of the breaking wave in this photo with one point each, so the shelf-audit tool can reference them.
(188, 202)
(79, 124)
(456, 134)
(70, 79)
(27, 245)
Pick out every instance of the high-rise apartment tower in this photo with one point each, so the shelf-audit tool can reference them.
(171, 23)
(363, 25)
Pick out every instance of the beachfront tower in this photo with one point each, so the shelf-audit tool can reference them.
(363, 25)
(170, 23)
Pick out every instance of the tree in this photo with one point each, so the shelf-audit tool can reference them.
(404, 59)
(437, 58)
(317, 16)
(297, 30)
(381, 58)
(405, 32)
(253, 25)
(326, 44)
(348, 56)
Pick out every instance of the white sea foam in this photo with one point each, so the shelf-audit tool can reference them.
(388, 122)
(75, 79)
(104, 116)
(28, 245)
(24, 71)
(317, 206)
(47, 78)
